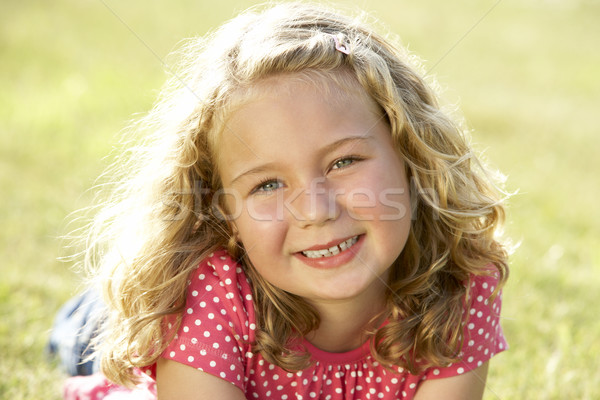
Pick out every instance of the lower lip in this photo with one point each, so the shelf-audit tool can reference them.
(333, 261)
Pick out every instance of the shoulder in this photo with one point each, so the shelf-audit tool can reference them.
(482, 332)
(218, 321)
(219, 265)
(483, 300)
(218, 278)
(219, 290)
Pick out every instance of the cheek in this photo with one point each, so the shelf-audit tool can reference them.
(249, 211)
(394, 204)
(260, 230)
(264, 243)
(263, 209)
(379, 199)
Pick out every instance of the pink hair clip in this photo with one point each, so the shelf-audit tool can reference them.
(339, 46)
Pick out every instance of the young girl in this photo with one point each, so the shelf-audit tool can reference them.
(304, 222)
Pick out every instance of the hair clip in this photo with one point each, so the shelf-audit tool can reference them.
(339, 46)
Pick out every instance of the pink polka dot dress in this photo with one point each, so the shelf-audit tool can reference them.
(219, 324)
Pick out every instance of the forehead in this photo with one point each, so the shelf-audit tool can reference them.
(288, 118)
(336, 87)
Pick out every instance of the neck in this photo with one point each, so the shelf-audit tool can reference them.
(344, 324)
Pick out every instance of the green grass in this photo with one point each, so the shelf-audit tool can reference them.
(527, 78)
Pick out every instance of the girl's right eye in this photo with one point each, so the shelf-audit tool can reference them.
(267, 186)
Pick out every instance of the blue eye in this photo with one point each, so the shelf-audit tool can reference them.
(266, 186)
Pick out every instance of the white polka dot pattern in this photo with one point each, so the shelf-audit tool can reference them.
(483, 336)
(219, 324)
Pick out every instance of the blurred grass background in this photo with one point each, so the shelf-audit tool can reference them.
(526, 75)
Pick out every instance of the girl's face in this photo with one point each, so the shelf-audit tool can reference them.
(315, 190)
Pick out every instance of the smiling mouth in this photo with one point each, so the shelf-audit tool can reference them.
(333, 250)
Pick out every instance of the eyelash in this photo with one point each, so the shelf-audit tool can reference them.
(351, 158)
(260, 186)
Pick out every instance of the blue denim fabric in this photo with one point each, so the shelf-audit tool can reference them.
(76, 324)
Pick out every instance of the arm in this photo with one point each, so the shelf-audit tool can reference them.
(176, 381)
(469, 386)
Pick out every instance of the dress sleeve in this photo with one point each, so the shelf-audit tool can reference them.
(218, 322)
(483, 336)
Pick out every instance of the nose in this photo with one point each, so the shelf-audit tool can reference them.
(314, 205)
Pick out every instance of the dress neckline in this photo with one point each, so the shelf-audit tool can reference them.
(327, 357)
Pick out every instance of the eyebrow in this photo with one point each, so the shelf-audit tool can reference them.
(324, 151)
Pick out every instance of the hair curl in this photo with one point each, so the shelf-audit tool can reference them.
(160, 220)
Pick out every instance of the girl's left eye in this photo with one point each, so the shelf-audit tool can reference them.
(267, 186)
(344, 162)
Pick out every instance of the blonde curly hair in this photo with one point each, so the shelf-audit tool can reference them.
(159, 220)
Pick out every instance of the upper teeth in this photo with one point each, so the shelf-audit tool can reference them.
(332, 251)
